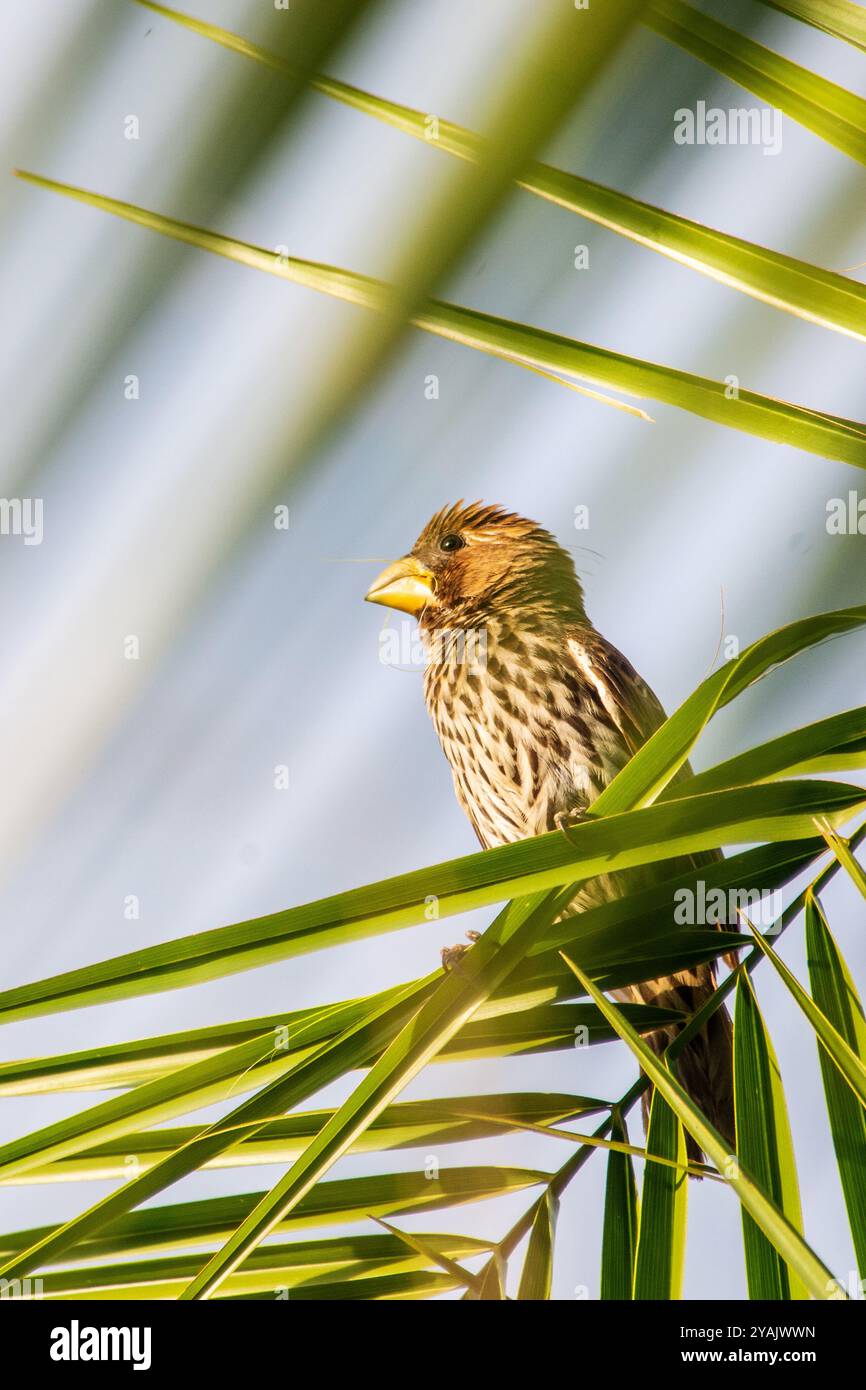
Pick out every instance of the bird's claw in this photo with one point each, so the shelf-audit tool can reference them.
(566, 820)
(453, 955)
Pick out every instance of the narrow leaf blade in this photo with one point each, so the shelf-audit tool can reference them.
(836, 996)
(764, 1145)
(619, 1238)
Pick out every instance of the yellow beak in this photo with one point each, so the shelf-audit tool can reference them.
(406, 585)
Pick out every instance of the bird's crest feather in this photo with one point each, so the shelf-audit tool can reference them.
(476, 518)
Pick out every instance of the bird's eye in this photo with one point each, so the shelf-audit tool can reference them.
(451, 542)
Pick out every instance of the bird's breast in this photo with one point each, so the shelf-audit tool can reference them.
(520, 746)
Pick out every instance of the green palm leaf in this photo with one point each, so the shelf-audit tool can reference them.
(273, 1269)
(839, 18)
(837, 744)
(492, 1281)
(775, 1225)
(433, 1256)
(628, 927)
(851, 1066)
(413, 1286)
(340, 1201)
(661, 757)
(782, 422)
(842, 850)
(454, 1120)
(807, 291)
(295, 1074)
(604, 844)
(661, 1243)
(453, 1003)
(764, 1145)
(536, 1280)
(836, 996)
(619, 1237)
(835, 114)
(314, 1069)
(502, 1034)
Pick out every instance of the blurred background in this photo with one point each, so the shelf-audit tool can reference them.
(162, 402)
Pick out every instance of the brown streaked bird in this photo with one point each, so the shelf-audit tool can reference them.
(537, 728)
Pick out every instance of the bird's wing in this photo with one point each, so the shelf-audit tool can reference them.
(620, 695)
(637, 713)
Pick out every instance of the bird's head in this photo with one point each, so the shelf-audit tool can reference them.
(472, 563)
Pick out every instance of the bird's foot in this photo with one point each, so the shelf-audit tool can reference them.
(567, 820)
(453, 955)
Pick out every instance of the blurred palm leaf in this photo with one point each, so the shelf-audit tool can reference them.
(829, 436)
(820, 296)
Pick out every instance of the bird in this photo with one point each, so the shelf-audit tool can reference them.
(536, 713)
